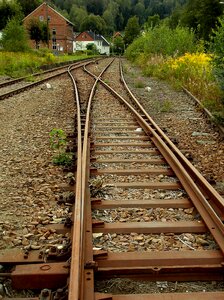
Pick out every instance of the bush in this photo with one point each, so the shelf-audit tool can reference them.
(58, 143)
(161, 40)
(14, 37)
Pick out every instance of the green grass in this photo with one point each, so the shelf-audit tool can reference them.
(15, 64)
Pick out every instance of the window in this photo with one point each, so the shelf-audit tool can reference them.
(54, 31)
(41, 18)
(54, 46)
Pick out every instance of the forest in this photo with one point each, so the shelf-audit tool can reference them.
(105, 16)
(115, 13)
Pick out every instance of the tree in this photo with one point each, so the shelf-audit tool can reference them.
(45, 33)
(95, 7)
(202, 16)
(132, 30)
(94, 23)
(28, 6)
(174, 19)
(77, 15)
(118, 45)
(38, 31)
(14, 37)
(152, 21)
(125, 11)
(8, 10)
(216, 47)
(110, 16)
(139, 11)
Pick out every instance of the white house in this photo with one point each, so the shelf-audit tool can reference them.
(90, 37)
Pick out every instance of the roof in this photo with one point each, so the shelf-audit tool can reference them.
(44, 3)
(97, 37)
(117, 34)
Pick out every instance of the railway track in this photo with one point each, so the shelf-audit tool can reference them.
(130, 170)
(18, 85)
(142, 211)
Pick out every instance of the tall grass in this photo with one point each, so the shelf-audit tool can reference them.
(174, 56)
(17, 64)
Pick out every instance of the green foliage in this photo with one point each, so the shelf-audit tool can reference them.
(163, 106)
(63, 159)
(21, 64)
(58, 139)
(14, 37)
(92, 49)
(118, 45)
(115, 13)
(9, 10)
(38, 31)
(96, 7)
(132, 30)
(170, 43)
(140, 12)
(202, 16)
(59, 142)
(77, 15)
(216, 47)
(152, 22)
(28, 6)
(94, 23)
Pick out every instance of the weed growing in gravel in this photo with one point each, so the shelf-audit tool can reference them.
(164, 106)
(59, 142)
(139, 83)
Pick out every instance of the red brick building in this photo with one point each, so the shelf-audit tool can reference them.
(61, 29)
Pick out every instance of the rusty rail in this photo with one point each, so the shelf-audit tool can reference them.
(198, 190)
(215, 225)
(80, 276)
(77, 249)
(33, 84)
(216, 201)
(85, 263)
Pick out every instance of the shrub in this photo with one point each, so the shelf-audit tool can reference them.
(14, 37)
(58, 142)
(161, 40)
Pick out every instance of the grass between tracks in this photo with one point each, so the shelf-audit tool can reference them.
(15, 64)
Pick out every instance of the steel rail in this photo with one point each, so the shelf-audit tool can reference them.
(79, 273)
(33, 84)
(208, 214)
(117, 263)
(217, 201)
(77, 250)
(50, 70)
(16, 80)
(206, 111)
